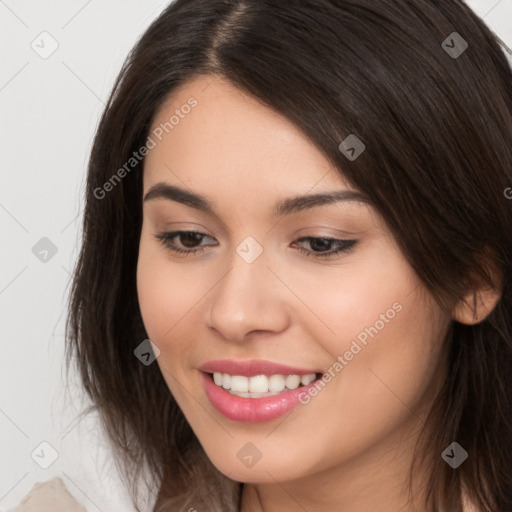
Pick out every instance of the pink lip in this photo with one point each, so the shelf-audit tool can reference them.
(252, 368)
(252, 410)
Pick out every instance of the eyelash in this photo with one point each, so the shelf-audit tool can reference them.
(343, 245)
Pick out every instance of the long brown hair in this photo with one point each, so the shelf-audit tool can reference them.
(437, 127)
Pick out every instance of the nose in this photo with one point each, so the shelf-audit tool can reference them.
(249, 298)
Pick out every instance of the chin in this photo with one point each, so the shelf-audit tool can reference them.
(263, 471)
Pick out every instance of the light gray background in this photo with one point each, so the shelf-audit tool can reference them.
(49, 109)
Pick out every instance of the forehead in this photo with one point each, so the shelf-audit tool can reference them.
(230, 139)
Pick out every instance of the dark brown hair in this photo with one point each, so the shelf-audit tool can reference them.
(438, 135)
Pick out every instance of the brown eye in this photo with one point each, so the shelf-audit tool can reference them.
(187, 239)
(320, 246)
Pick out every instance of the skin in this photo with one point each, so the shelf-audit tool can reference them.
(351, 447)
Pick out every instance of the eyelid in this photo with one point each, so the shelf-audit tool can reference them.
(343, 245)
(328, 231)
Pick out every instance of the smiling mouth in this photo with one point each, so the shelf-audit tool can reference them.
(260, 386)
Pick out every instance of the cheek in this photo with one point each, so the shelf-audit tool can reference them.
(388, 331)
(165, 294)
(154, 299)
(171, 301)
(392, 368)
(345, 299)
(165, 298)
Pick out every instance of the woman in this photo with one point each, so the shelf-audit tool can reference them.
(294, 288)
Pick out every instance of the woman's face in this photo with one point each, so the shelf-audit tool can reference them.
(259, 294)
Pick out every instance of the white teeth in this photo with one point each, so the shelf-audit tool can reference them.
(292, 381)
(239, 383)
(307, 379)
(276, 383)
(260, 385)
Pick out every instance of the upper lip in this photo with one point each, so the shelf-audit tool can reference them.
(252, 368)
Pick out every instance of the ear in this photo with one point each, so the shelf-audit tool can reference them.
(475, 307)
(480, 299)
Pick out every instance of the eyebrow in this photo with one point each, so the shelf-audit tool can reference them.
(284, 207)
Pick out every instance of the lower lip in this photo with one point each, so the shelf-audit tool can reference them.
(252, 410)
